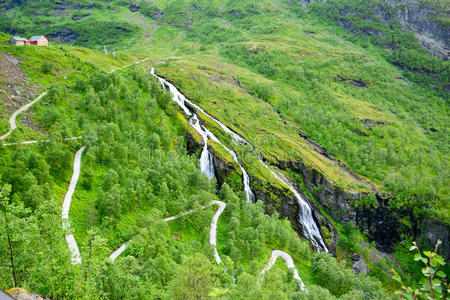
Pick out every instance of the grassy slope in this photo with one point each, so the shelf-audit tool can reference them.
(77, 63)
(298, 61)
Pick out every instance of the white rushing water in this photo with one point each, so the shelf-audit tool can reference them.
(206, 163)
(310, 228)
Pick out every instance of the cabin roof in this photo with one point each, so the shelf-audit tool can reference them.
(18, 38)
(35, 38)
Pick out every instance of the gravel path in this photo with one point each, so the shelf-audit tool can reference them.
(213, 241)
(124, 246)
(12, 119)
(213, 230)
(120, 68)
(73, 247)
(289, 263)
(41, 141)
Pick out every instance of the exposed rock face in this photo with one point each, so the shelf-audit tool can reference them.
(359, 265)
(433, 231)
(192, 145)
(79, 17)
(425, 20)
(285, 204)
(422, 19)
(382, 224)
(222, 169)
(64, 35)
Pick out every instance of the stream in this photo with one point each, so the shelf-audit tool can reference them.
(310, 228)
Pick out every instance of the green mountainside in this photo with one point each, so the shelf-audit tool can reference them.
(347, 99)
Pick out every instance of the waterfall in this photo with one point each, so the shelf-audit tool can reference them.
(206, 162)
(310, 228)
(245, 177)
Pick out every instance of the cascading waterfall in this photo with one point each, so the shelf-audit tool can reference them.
(245, 177)
(310, 229)
(206, 163)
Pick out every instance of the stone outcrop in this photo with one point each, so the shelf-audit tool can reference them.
(431, 232)
(359, 266)
(64, 35)
(427, 20)
(423, 20)
(383, 223)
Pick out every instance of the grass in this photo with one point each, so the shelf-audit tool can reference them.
(243, 113)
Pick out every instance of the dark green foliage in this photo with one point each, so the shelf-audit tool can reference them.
(405, 51)
(339, 280)
(46, 67)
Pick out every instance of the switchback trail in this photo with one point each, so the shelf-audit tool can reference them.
(41, 141)
(124, 246)
(213, 241)
(73, 247)
(12, 119)
(120, 68)
(289, 263)
(310, 229)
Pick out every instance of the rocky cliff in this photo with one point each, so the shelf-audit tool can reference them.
(384, 224)
(427, 19)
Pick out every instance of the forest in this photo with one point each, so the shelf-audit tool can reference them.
(335, 103)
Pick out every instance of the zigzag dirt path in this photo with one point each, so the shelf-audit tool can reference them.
(73, 247)
(12, 119)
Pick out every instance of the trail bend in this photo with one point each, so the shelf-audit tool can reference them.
(213, 241)
(12, 119)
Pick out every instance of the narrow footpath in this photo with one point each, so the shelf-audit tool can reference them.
(73, 247)
(12, 119)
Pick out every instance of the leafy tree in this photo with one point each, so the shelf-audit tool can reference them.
(5, 190)
(435, 285)
(194, 279)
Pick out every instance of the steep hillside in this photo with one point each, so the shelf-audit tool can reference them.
(133, 174)
(341, 104)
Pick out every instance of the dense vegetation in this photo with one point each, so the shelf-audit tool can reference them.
(287, 78)
(136, 171)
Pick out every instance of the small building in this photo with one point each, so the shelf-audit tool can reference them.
(19, 41)
(39, 40)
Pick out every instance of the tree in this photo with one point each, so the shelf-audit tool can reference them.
(435, 285)
(194, 279)
(5, 190)
(96, 246)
